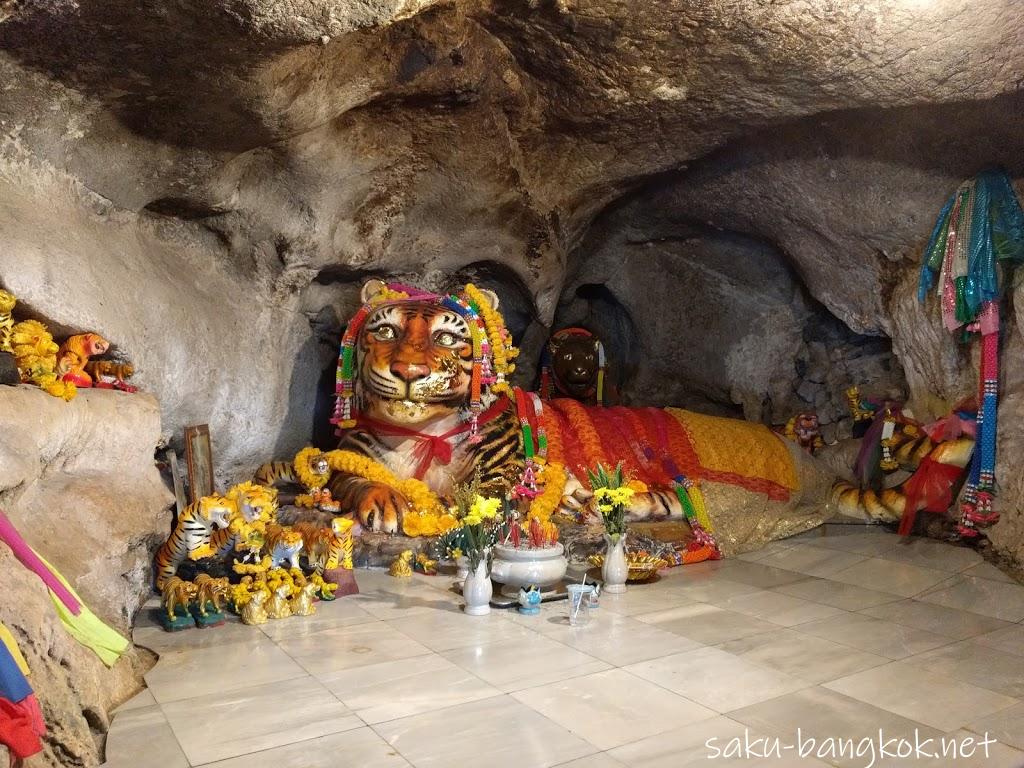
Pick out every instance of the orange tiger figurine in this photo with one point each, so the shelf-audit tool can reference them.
(75, 353)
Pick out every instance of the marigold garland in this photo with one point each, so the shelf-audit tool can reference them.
(304, 468)
(544, 505)
(502, 350)
(586, 436)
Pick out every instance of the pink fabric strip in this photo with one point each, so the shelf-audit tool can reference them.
(10, 536)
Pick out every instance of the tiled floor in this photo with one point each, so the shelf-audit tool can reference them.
(815, 638)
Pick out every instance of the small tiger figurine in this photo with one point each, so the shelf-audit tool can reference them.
(177, 593)
(327, 548)
(211, 591)
(191, 535)
(110, 374)
(283, 545)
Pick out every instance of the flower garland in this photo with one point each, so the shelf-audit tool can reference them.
(498, 337)
(544, 505)
(416, 491)
(586, 436)
(304, 469)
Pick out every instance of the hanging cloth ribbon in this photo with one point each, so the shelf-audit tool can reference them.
(980, 228)
(77, 619)
(430, 448)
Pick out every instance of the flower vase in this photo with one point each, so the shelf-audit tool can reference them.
(477, 590)
(615, 569)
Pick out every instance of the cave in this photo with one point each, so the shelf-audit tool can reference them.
(735, 198)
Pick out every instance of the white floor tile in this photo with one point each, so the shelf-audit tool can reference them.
(346, 647)
(803, 656)
(707, 624)
(329, 615)
(937, 555)
(444, 631)
(811, 561)
(360, 747)
(884, 575)
(778, 608)
(142, 736)
(1009, 639)
(989, 571)
(499, 732)
(1006, 725)
(223, 725)
(984, 596)
(699, 675)
(611, 708)
(405, 687)
(916, 694)
(951, 622)
(849, 597)
(884, 638)
(978, 664)
(523, 663)
(185, 674)
(619, 640)
(813, 716)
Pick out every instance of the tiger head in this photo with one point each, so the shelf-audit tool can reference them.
(254, 502)
(217, 511)
(415, 359)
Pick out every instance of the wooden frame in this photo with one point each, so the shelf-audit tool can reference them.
(199, 458)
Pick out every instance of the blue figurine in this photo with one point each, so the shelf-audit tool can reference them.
(529, 601)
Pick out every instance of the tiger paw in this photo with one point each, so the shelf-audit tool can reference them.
(380, 507)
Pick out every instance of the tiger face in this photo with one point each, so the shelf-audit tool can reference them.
(217, 510)
(416, 362)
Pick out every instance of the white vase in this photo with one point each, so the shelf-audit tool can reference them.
(462, 568)
(615, 569)
(477, 590)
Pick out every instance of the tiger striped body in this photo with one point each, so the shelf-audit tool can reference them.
(192, 535)
(327, 548)
(888, 505)
(283, 545)
(211, 592)
(177, 594)
(276, 473)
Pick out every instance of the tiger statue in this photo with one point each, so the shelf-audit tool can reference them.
(936, 469)
(192, 534)
(177, 593)
(283, 545)
(420, 395)
(327, 548)
(211, 592)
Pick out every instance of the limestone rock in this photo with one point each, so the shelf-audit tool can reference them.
(79, 482)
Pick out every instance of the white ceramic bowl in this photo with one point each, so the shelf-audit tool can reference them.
(514, 568)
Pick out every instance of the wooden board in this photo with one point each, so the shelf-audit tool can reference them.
(199, 458)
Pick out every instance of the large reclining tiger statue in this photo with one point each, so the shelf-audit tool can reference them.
(424, 405)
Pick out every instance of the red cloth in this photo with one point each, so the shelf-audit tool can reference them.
(21, 725)
(431, 447)
(930, 488)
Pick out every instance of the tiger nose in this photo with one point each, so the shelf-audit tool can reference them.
(410, 371)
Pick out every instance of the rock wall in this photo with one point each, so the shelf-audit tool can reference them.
(207, 183)
(79, 482)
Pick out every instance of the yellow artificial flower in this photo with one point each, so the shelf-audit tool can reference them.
(472, 519)
(456, 553)
(485, 508)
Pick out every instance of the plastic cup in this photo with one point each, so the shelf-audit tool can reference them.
(579, 604)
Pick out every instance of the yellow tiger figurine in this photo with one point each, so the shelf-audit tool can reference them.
(191, 536)
(212, 592)
(177, 593)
